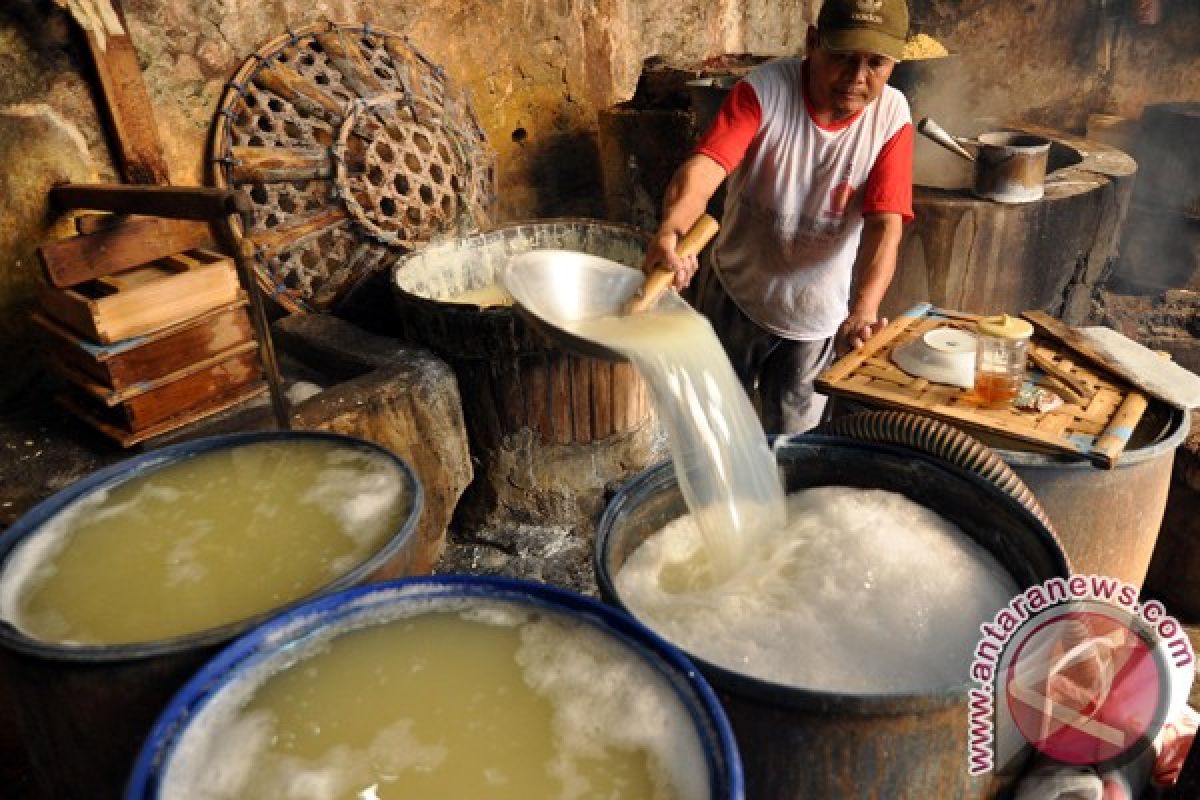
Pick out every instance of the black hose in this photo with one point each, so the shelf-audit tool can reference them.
(941, 440)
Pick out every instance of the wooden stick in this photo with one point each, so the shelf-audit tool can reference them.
(1108, 448)
(1060, 331)
(660, 280)
(173, 202)
(1048, 365)
(125, 107)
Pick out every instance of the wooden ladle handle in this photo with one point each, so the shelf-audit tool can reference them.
(700, 234)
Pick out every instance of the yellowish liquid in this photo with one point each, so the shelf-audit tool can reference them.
(208, 541)
(485, 296)
(446, 705)
(726, 471)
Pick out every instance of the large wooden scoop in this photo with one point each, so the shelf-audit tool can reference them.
(660, 280)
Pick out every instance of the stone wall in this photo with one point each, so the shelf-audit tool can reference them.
(539, 72)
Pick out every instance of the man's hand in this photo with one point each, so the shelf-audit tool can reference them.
(661, 255)
(855, 330)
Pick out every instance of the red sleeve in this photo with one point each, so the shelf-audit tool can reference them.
(735, 125)
(889, 186)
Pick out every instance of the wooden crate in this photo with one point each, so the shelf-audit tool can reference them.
(1097, 429)
(143, 407)
(144, 299)
(112, 426)
(134, 362)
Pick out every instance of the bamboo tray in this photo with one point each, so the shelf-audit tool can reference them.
(1096, 429)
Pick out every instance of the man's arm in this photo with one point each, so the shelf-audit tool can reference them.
(874, 267)
(686, 198)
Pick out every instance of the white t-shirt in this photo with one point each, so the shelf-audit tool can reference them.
(794, 204)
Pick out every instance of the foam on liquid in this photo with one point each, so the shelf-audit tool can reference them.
(861, 591)
(217, 538)
(725, 470)
(490, 701)
(486, 296)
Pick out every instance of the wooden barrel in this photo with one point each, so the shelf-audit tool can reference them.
(510, 377)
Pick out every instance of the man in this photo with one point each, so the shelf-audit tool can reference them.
(818, 154)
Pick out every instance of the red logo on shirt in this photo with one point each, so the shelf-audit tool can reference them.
(839, 199)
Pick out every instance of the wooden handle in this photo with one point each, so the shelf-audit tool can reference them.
(700, 234)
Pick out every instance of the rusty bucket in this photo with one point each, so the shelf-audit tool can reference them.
(801, 742)
(1010, 167)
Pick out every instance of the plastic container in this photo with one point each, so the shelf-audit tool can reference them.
(1000, 353)
(244, 665)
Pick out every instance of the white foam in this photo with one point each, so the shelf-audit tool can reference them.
(360, 490)
(862, 591)
(32, 561)
(603, 699)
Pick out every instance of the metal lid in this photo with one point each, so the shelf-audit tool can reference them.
(1005, 327)
(355, 149)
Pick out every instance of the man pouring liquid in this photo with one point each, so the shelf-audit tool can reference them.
(817, 153)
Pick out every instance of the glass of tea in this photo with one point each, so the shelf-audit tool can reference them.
(1000, 359)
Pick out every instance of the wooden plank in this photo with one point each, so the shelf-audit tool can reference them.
(168, 400)
(87, 223)
(537, 396)
(1062, 373)
(601, 399)
(560, 395)
(282, 239)
(405, 60)
(144, 358)
(125, 438)
(581, 396)
(626, 395)
(298, 90)
(1061, 332)
(137, 241)
(277, 165)
(345, 54)
(126, 109)
(111, 397)
(110, 316)
(204, 203)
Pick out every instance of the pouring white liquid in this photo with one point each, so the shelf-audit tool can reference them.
(725, 469)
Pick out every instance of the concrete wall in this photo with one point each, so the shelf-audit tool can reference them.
(538, 69)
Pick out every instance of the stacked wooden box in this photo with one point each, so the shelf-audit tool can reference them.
(149, 327)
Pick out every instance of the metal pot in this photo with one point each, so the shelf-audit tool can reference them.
(1010, 166)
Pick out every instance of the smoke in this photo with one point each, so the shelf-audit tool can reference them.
(1160, 244)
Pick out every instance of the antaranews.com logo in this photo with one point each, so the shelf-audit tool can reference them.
(1078, 669)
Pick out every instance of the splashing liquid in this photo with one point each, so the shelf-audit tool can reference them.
(725, 469)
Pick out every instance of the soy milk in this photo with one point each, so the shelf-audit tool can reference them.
(222, 536)
(725, 470)
(487, 700)
(862, 590)
(486, 296)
